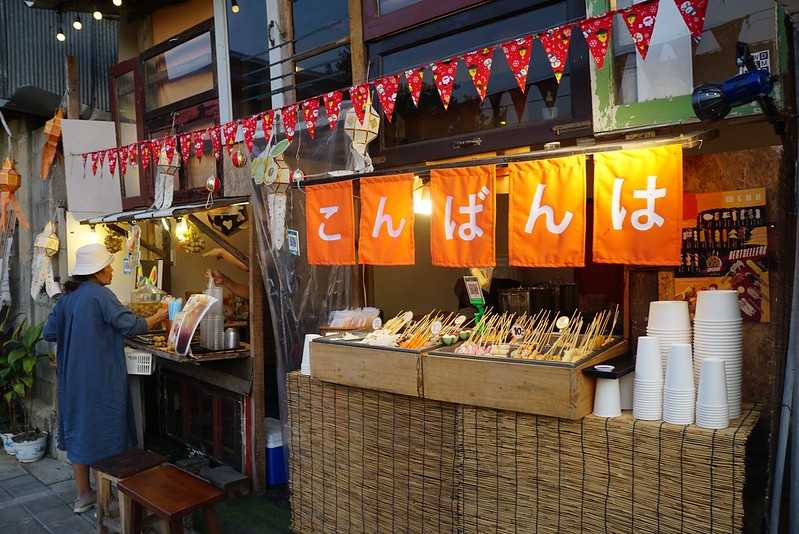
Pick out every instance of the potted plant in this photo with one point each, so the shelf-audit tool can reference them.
(21, 357)
(9, 421)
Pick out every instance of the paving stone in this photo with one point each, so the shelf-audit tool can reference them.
(65, 491)
(24, 485)
(72, 525)
(11, 515)
(49, 471)
(41, 504)
(11, 470)
(55, 516)
(25, 526)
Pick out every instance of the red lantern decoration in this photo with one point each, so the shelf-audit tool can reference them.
(238, 158)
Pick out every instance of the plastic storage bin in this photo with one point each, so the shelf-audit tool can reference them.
(275, 461)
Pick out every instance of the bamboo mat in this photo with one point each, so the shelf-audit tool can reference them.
(363, 461)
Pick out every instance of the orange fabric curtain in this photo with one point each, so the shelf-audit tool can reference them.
(638, 206)
(330, 224)
(386, 228)
(546, 213)
(464, 217)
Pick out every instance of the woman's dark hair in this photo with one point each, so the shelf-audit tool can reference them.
(75, 281)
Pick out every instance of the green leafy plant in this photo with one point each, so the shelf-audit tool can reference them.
(7, 420)
(18, 368)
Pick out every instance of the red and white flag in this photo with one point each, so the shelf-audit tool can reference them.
(332, 102)
(198, 142)
(693, 13)
(387, 88)
(359, 95)
(478, 64)
(248, 126)
(640, 21)
(444, 75)
(556, 45)
(215, 135)
(415, 77)
(267, 122)
(517, 54)
(596, 32)
(310, 112)
(289, 116)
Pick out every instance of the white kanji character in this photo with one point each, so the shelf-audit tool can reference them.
(328, 211)
(537, 210)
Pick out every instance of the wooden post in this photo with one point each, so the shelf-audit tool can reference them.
(357, 46)
(258, 325)
(73, 88)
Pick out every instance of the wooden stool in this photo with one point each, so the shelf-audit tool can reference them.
(171, 494)
(109, 472)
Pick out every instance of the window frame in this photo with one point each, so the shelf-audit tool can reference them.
(610, 116)
(534, 133)
(376, 25)
(133, 65)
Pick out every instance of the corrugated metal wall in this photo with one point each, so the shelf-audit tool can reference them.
(31, 55)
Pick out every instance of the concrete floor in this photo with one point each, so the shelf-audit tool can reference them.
(37, 499)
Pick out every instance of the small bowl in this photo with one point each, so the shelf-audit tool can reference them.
(464, 335)
(449, 339)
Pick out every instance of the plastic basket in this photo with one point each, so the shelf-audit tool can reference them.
(139, 362)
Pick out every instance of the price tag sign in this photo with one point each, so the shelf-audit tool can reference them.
(294, 241)
(377, 323)
(473, 290)
(517, 331)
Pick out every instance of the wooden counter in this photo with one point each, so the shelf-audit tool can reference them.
(242, 352)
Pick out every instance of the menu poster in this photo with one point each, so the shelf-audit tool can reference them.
(725, 246)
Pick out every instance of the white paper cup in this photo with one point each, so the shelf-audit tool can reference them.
(712, 383)
(679, 370)
(718, 305)
(669, 315)
(648, 366)
(607, 398)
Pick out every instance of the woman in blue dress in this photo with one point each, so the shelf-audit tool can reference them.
(95, 416)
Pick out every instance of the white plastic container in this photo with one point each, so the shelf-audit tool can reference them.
(138, 362)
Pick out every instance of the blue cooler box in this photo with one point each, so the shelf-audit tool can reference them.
(275, 462)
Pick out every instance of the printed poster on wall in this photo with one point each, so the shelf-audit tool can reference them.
(725, 246)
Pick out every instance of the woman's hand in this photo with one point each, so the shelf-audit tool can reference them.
(157, 318)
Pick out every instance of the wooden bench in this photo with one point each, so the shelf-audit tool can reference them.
(170, 494)
(108, 473)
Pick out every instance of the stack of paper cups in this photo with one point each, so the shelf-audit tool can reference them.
(648, 384)
(670, 322)
(305, 366)
(712, 410)
(718, 334)
(678, 393)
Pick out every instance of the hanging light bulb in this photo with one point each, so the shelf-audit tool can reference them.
(118, 3)
(61, 36)
(77, 24)
(234, 6)
(181, 229)
(98, 15)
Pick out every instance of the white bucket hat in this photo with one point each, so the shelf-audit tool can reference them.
(91, 259)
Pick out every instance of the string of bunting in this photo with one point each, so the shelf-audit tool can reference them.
(639, 19)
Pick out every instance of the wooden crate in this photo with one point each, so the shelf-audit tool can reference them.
(365, 366)
(555, 389)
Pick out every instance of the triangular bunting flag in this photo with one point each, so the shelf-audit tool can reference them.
(123, 160)
(199, 143)
(185, 148)
(332, 102)
(387, 88)
(415, 77)
(556, 45)
(444, 76)
(310, 112)
(95, 162)
(289, 117)
(133, 154)
(478, 63)
(248, 126)
(169, 147)
(359, 95)
(517, 54)
(229, 131)
(215, 135)
(155, 150)
(111, 154)
(144, 154)
(102, 156)
(84, 156)
(267, 122)
(640, 21)
(693, 13)
(596, 32)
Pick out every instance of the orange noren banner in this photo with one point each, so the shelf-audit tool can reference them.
(386, 227)
(330, 224)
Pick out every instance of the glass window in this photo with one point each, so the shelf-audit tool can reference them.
(183, 71)
(249, 58)
(387, 6)
(323, 73)
(505, 106)
(665, 73)
(127, 132)
(319, 22)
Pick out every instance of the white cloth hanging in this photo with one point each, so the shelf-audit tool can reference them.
(45, 247)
